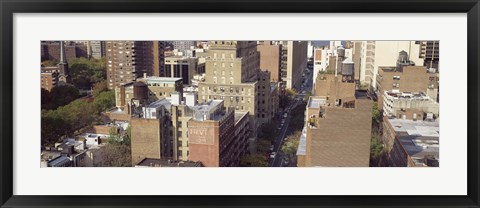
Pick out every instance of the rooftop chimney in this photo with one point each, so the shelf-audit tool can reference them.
(176, 98)
(191, 99)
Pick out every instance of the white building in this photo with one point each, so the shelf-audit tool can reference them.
(395, 101)
(322, 56)
(384, 53)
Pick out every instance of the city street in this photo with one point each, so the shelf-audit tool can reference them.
(278, 161)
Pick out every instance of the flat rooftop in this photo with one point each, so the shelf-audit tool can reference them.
(416, 128)
(420, 139)
(162, 79)
(302, 145)
(239, 115)
(150, 162)
(206, 106)
(158, 103)
(316, 102)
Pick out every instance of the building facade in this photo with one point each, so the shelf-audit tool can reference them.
(270, 59)
(233, 75)
(374, 54)
(411, 143)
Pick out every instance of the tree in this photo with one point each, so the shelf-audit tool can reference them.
(263, 145)
(104, 100)
(268, 131)
(128, 137)
(291, 145)
(117, 155)
(45, 99)
(85, 72)
(376, 115)
(62, 95)
(99, 87)
(254, 160)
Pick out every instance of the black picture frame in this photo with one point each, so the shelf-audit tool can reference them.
(10, 7)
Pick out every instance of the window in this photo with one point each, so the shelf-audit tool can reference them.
(179, 134)
(179, 124)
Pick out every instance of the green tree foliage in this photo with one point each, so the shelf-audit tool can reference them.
(84, 72)
(297, 118)
(268, 131)
(263, 146)
(376, 114)
(377, 152)
(254, 160)
(100, 87)
(66, 120)
(290, 146)
(104, 100)
(128, 137)
(59, 96)
(45, 99)
(117, 155)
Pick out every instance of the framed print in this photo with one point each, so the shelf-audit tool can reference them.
(245, 104)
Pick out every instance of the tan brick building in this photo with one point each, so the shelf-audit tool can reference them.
(338, 126)
(406, 79)
(49, 77)
(147, 138)
(270, 59)
(233, 75)
(127, 60)
(411, 143)
(181, 67)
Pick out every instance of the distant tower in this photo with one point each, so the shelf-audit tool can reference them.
(63, 66)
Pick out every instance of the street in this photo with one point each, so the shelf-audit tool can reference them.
(278, 160)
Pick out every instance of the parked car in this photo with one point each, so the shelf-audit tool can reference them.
(271, 147)
(273, 155)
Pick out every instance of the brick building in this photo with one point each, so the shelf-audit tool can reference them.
(233, 75)
(270, 59)
(406, 79)
(49, 77)
(338, 125)
(127, 60)
(50, 50)
(411, 143)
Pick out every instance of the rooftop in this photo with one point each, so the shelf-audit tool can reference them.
(158, 103)
(150, 162)
(416, 128)
(316, 101)
(408, 95)
(162, 79)
(420, 139)
(302, 145)
(239, 115)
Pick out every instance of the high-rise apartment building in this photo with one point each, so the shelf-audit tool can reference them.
(232, 74)
(127, 60)
(429, 52)
(180, 66)
(270, 59)
(97, 49)
(405, 77)
(375, 54)
(294, 61)
(338, 126)
(182, 46)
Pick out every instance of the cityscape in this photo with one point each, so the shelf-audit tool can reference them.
(227, 103)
